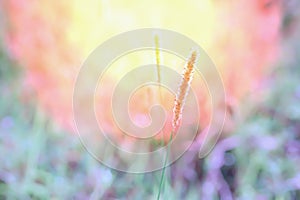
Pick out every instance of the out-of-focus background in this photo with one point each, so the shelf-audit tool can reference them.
(256, 46)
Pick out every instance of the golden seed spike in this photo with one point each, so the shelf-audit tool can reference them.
(183, 90)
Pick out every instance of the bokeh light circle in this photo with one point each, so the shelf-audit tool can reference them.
(114, 154)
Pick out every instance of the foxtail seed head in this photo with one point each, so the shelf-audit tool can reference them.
(183, 90)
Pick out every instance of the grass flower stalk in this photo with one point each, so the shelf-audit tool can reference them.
(157, 56)
(183, 89)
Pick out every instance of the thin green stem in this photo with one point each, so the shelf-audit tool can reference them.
(161, 184)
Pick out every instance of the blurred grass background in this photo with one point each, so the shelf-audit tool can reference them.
(260, 160)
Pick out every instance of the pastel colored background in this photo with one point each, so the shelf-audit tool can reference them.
(254, 45)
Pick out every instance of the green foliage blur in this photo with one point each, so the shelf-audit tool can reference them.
(259, 160)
